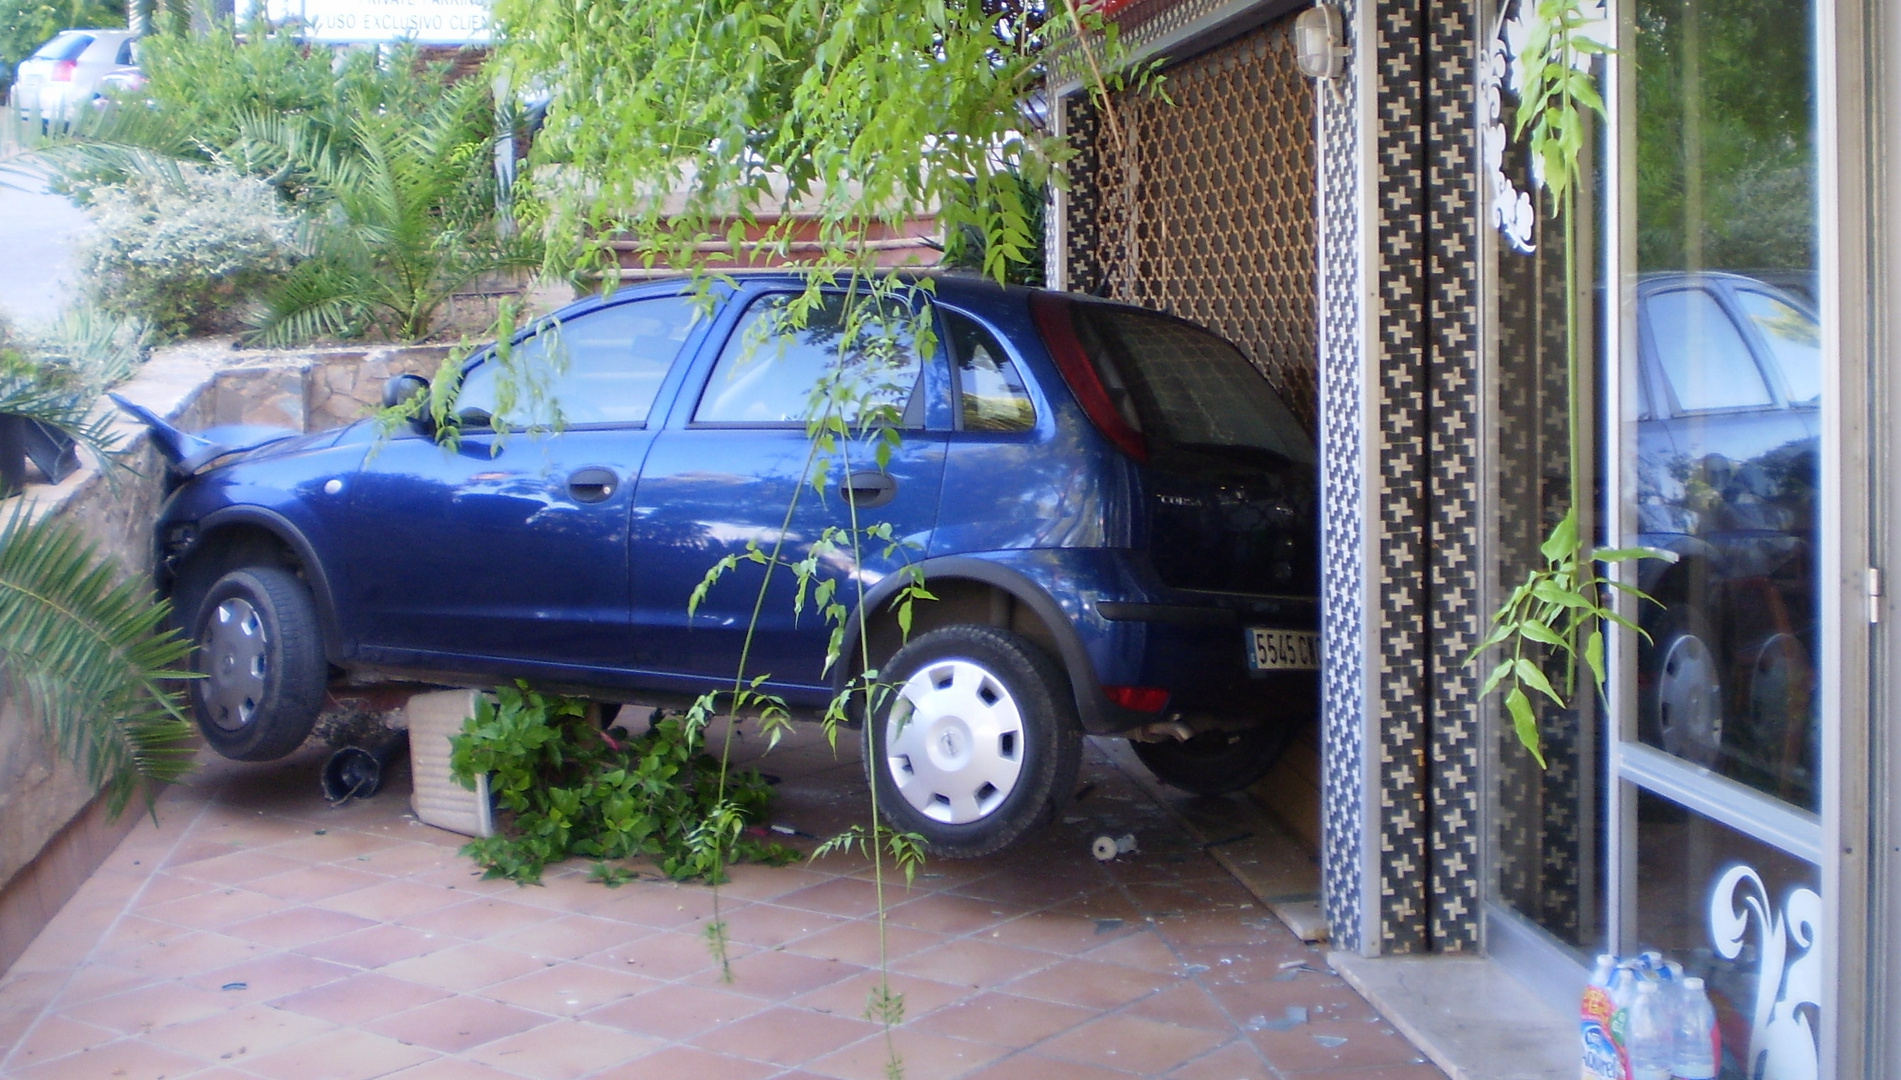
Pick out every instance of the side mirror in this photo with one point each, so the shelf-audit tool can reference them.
(403, 390)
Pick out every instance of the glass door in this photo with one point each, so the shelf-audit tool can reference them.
(1716, 403)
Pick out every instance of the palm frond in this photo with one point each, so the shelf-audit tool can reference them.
(319, 297)
(91, 657)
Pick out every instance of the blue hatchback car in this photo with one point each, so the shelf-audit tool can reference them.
(1116, 515)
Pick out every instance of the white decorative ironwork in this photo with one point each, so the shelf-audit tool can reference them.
(1782, 1035)
(1501, 86)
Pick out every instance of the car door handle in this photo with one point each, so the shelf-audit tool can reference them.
(593, 484)
(867, 488)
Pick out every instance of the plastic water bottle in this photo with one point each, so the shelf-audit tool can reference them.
(1651, 1040)
(1601, 1059)
(1696, 1047)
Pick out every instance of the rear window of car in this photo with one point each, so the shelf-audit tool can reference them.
(64, 47)
(1188, 388)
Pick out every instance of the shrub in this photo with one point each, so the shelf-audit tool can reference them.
(184, 249)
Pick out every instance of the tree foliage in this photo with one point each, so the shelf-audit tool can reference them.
(682, 122)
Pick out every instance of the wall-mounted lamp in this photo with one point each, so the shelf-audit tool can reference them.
(1320, 49)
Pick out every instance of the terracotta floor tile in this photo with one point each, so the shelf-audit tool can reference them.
(666, 955)
(126, 1059)
(569, 937)
(347, 1054)
(404, 859)
(1366, 1045)
(663, 905)
(690, 1063)
(752, 881)
(676, 1012)
(564, 1050)
(1144, 949)
(766, 924)
(136, 930)
(851, 997)
(1091, 985)
(569, 989)
(163, 888)
(455, 1068)
(922, 1056)
(389, 900)
(849, 897)
(776, 975)
(943, 913)
(465, 968)
(1139, 1045)
(55, 1037)
(20, 989)
(1238, 1060)
(976, 963)
(1240, 965)
(290, 927)
(856, 942)
(457, 1023)
(237, 867)
(1004, 1019)
(150, 1008)
(334, 845)
(188, 954)
(1249, 927)
(309, 883)
(1067, 933)
(1422, 1071)
(1023, 1066)
(379, 945)
(236, 1036)
(477, 918)
(98, 979)
(360, 998)
(562, 892)
(1186, 1004)
(1317, 994)
(216, 908)
(1030, 890)
(785, 1036)
(267, 977)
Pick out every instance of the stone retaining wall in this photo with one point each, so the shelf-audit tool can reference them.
(52, 835)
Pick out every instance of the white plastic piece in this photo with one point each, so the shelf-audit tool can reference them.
(1104, 849)
(437, 799)
(1125, 844)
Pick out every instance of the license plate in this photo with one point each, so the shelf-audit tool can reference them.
(1282, 650)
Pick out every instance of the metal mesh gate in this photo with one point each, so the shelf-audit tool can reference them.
(1204, 207)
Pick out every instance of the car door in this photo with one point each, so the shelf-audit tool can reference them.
(510, 546)
(730, 471)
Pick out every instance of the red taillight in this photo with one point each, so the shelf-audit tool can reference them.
(1139, 698)
(63, 70)
(1058, 326)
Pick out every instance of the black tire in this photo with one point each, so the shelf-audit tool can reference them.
(260, 649)
(1000, 711)
(1216, 762)
(1681, 695)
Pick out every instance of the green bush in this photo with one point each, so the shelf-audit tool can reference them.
(184, 250)
(568, 788)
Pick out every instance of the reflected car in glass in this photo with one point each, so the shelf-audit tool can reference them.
(1729, 422)
(1115, 513)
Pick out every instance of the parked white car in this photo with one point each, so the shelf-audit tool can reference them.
(55, 82)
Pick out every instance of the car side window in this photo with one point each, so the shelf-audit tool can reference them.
(1795, 342)
(125, 53)
(990, 391)
(603, 367)
(1703, 355)
(771, 373)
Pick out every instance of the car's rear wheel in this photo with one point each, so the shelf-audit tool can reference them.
(260, 650)
(976, 744)
(1681, 695)
(1216, 762)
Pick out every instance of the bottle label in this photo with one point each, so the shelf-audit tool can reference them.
(1601, 1058)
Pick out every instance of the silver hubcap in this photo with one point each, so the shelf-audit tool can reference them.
(954, 742)
(1690, 701)
(234, 648)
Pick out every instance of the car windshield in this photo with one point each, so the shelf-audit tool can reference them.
(1189, 388)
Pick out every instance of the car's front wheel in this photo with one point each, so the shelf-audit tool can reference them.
(977, 741)
(260, 650)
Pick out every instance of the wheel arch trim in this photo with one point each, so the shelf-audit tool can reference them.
(292, 537)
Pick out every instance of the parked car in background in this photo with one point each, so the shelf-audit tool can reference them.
(53, 84)
(1728, 430)
(1115, 513)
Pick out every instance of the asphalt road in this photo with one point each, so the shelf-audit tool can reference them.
(38, 231)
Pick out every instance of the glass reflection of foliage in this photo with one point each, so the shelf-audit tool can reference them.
(1725, 153)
